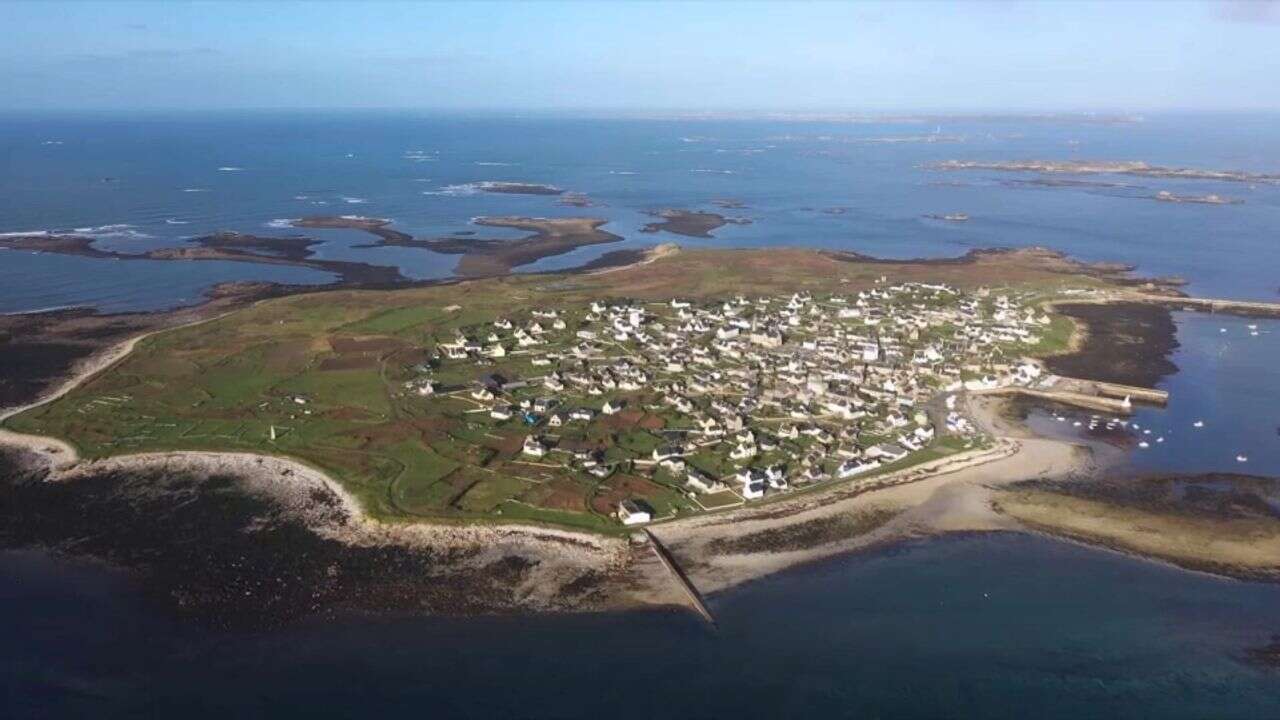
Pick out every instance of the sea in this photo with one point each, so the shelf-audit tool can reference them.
(1002, 625)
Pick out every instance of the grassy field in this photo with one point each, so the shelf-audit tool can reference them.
(327, 372)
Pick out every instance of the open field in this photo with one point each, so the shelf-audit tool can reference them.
(322, 378)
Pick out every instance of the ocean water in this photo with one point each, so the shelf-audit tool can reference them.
(144, 181)
(990, 626)
(1002, 626)
(1228, 379)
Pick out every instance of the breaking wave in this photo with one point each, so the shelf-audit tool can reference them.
(455, 190)
(116, 230)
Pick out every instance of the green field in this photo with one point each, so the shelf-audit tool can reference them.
(328, 373)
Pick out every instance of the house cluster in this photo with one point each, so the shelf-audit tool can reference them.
(754, 395)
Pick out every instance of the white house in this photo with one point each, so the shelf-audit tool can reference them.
(533, 447)
(631, 512)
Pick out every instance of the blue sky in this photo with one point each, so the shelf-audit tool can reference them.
(726, 56)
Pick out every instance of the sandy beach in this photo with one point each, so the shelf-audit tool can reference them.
(950, 495)
(717, 550)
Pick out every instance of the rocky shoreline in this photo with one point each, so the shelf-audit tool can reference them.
(276, 542)
(236, 549)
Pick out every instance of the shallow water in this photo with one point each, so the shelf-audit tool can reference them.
(1230, 382)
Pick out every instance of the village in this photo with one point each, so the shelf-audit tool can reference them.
(740, 400)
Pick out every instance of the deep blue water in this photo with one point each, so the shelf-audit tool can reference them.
(986, 626)
(992, 626)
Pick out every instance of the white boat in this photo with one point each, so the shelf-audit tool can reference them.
(1198, 423)
(1242, 458)
(1144, 444)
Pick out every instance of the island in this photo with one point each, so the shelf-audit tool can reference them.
(619, 437)
(1209, 199)
(480, 256)
(1107, 167)
(518, 188)
(690, 223)
(232, 246)
(484, 256)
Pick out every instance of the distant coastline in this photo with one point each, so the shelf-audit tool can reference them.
(1107, 167)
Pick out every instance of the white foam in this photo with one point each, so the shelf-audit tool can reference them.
(194, 190)
(301, 197)
(712, 172)
(51, 142)
(281, 223)
(38, 233)
(622, 172)
(353, 200)
(493, 164)
(487, 184)
(171, 221)
(114, 230)
(37, 311)
(455, 190)
(230, 168)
